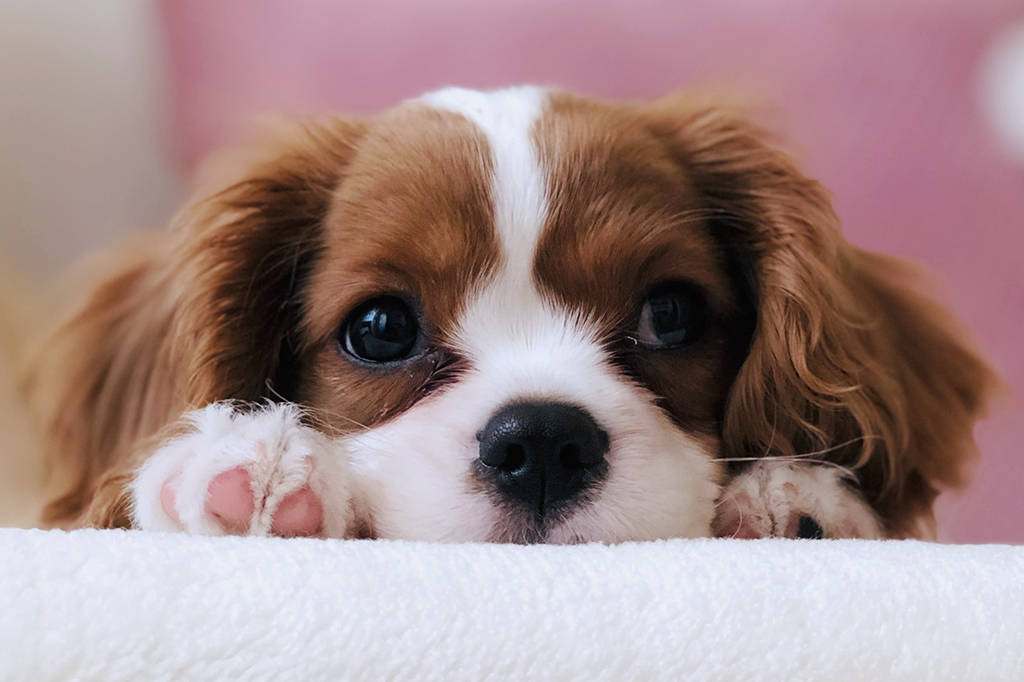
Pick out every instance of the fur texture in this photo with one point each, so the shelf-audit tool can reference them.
(525, 227)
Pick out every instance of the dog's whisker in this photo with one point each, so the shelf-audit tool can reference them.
(799, 459)
(804, 456)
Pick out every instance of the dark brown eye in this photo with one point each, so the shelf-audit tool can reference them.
(382, 329)
(674, 315)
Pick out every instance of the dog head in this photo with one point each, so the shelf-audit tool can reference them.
(527, 316)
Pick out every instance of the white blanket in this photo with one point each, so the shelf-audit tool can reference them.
(111, 605)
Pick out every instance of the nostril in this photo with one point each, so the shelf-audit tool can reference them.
(515, 457)
(542, 453)
(509, 455)
(569, 456)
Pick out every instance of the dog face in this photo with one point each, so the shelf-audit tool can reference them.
(526, 316)
(525, 307)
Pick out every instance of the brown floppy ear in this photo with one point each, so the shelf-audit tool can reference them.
(104, 374)
(182, 318)
(243, 264)
(848, 362)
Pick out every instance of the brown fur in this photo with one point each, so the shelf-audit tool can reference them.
(172, 323)
(399, 225)
(845, 351)
(623, 218)
(818, 347)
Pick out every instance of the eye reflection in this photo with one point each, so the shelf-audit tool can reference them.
(674, 315)
(382, 329)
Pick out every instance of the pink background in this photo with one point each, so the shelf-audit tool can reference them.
(878, 97)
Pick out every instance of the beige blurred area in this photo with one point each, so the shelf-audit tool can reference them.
(84, 159)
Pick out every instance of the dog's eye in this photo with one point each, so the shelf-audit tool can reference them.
(674, 315)
(380, 330)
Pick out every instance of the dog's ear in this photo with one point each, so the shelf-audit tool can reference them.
(847, 361)
(247, 252)
(103, 375)
(179, 319)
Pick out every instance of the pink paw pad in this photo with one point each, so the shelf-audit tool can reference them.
(230, 500)
(299, 514)
(733, 523)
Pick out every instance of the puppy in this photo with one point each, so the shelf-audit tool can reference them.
(518, 316)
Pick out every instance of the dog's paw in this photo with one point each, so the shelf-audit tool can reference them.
(793, 500)
(254, 472)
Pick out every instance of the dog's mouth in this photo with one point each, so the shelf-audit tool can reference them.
(521, 525)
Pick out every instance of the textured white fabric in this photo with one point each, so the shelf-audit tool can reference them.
(111, 606)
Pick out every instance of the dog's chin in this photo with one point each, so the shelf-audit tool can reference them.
(521, 527)
(568, 526)
(516, 524)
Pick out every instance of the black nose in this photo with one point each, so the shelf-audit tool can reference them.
(543, 454)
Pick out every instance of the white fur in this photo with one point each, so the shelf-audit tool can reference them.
(279, 453)
(661, 482)
(507, 118)
(766, 497)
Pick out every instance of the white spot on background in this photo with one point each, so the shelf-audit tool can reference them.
(1002, 91)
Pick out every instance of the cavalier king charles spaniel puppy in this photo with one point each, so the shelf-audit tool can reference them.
(518, 316)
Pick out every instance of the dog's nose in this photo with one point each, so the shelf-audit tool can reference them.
(543, 453)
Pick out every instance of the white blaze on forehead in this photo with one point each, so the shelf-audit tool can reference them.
(507, 118)
(507, 322)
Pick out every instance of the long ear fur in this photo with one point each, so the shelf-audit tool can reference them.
(244, 264)
(847, 362)
(104, 374)
(200, 313)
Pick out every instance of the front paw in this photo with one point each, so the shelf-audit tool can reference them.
(257, 472)
(777, 498)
